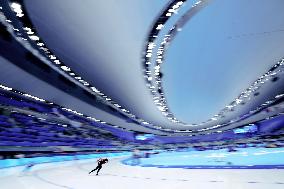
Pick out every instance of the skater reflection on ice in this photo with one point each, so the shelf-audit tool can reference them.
(136, 157)
(27, 169)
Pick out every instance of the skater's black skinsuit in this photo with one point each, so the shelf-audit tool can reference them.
(99, 166)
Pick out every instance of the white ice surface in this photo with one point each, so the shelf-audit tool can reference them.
(114, 175)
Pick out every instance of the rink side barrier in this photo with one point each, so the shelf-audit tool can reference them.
(9, 163)
(242, 158)
(134, 162)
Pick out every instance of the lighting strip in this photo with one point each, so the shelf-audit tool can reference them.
(153, 79)
(156, 80)
(26, 95)
(194, 9)
(18, 36)
(33, 38)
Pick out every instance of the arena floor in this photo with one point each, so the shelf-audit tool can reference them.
(115, 175)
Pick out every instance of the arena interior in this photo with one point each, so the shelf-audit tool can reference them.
(174, 93)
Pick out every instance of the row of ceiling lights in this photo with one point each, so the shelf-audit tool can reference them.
(17, 8)
(153, 79)
(160, 55)
(158, 95)
(10, 89)
(20, 12)
(264, 105)
(18, 36)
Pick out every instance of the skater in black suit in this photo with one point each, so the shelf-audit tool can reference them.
(100, 161)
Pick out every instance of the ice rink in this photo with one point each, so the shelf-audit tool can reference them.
(74, 175)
